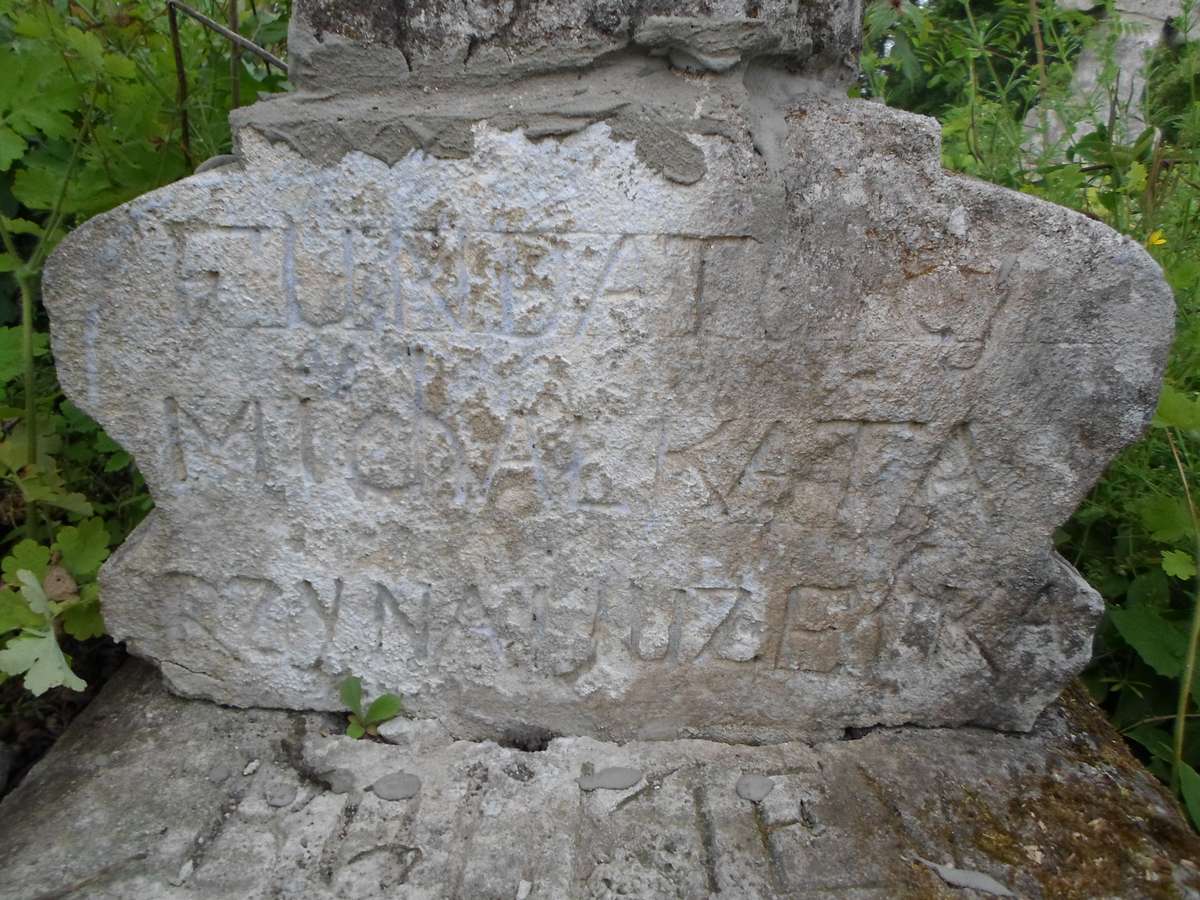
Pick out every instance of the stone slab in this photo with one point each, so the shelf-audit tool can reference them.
(359, 45)
(730, 417)
(152, 797)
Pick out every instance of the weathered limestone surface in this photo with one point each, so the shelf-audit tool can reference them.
(625, 397)
(367, 46)
(150, 797)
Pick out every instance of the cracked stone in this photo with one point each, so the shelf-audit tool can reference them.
(477, 833)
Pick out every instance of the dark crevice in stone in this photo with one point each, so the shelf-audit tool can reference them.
(472, 46)
(402, 32)
(856, 733)
(528, 738)
(291, 748)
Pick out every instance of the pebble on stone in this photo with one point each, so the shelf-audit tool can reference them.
(185, 872)
(410, 732)
(280, 794)
(614, 778)
(219, 773)
(968, 879)
(397, 786)
(251, 767)
(754, 787)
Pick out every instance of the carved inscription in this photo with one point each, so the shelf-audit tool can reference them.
(517, 286)
(522, 624)
(853, 475)
(504, 376)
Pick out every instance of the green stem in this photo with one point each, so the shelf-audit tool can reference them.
(1189, 666)
(25, 285)
(26, 274)
(31, 431)
(56, 215)
(1154, 720)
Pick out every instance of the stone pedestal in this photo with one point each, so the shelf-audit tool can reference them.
(151, 797)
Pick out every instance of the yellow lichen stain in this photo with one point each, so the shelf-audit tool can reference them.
(1087, 826)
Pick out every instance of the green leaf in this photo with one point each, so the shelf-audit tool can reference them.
(352, 694)
(1176, 409)
(383, 708)
(15, 613)
(120, 66)
(1135, 178)
(12, 147)
(355, 729)
(12, 357)
(84, 547)
(77, 419)
(37, 656)
(1166, 518)
(1159, 642)
(1150, 588)
(1189, 786)
(83, 620)
(38, 187)
(1156, 741)
(1178, 564)
(35, 596)
(37, 492)
(21, 226)
(30, 120)
(26, 555)
(26, 24)
(117, 461)
(9, 263)
(88, 48)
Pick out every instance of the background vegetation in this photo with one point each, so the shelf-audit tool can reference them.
(90, 117)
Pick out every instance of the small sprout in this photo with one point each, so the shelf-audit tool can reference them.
(382, 709)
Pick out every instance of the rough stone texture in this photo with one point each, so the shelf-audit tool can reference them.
(368, 46)
(619, 402)
(124, 808)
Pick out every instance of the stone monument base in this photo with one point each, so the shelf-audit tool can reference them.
(153, 796)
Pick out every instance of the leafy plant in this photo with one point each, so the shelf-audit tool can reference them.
(89, 118)
(383, 708)
(48, 591)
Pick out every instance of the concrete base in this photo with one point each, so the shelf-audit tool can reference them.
(152, 796)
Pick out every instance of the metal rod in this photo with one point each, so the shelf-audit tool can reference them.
(267, 57)
(235, 59)
(181, 95)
